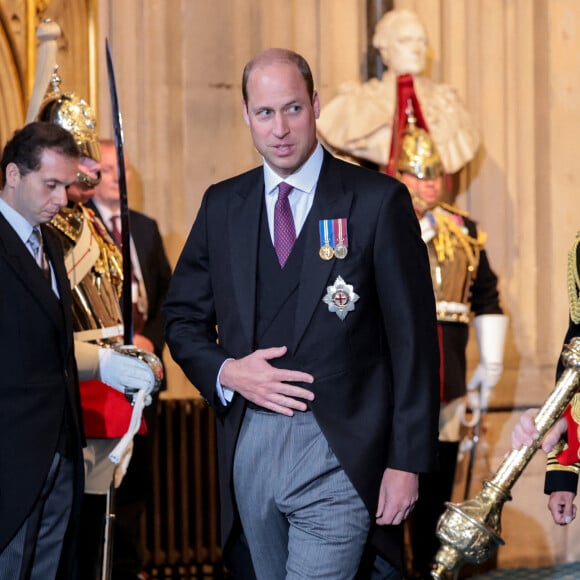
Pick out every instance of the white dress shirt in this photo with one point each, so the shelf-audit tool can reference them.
(304, 182)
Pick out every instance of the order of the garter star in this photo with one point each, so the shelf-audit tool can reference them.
(340, 298)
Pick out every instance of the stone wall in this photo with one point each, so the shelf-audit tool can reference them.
(514, 62)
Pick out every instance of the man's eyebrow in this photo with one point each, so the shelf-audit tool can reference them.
(59, 181)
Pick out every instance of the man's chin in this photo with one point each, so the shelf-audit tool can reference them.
(87, 197)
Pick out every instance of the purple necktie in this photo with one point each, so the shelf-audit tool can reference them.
(284, 230)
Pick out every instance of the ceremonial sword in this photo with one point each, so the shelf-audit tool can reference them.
(126, 296)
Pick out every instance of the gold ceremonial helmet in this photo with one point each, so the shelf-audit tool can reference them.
(75, 115)
(418, 155)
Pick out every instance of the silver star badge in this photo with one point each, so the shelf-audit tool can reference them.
(340, 298)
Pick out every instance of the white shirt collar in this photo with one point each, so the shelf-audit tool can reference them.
(18, 222)
(106, 213)
(305, 179)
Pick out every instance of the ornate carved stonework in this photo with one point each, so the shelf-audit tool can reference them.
(18, 22)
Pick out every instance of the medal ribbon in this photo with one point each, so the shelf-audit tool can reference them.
(326, 233)
(340, 233)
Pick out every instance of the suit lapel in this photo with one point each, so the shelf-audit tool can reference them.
(332, 200)
(244, 228)
(25, 268)
(141, 241)
(55, 254)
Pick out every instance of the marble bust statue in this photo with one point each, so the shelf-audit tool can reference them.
(358, 121)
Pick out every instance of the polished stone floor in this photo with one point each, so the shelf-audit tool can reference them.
(569, 571)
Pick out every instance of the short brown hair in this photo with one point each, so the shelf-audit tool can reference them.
(27, 145)
(279, 55)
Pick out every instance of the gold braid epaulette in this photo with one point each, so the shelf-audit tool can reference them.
(69, 221)
(449, 233)
(453, 209)
(574, 282)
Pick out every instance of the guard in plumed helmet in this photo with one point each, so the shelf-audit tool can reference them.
(94, 261)
(76, 116)
(94, 266)
(464, 287)
(418, 157)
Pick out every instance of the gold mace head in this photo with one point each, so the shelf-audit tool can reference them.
(470, 531)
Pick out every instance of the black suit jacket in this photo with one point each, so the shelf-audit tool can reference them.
(376, 371)
(154, 267)
(38, 376)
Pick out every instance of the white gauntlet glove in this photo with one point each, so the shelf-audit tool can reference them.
(491, 331)
(128, 369)
(137, 374)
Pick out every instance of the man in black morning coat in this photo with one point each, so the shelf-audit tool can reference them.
(322, 369)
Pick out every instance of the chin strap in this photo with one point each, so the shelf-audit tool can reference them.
(491, 330)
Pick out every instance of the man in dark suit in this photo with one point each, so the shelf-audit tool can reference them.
(308, 323)
(151, 276)
(40, 426)
(152, 271)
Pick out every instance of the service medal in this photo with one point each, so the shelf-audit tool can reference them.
(326, 252)
(340, 238)
(340, 251)
(340, 298)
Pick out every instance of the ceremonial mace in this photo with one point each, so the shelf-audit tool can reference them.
(470, 531)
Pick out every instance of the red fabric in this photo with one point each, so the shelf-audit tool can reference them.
(405, 91)
(106, 412)
(570, 455)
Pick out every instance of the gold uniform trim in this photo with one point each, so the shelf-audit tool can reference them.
(448, 230)
(552, 461)
(574, 282)
(553, 464)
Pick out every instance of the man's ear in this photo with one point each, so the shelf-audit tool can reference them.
(316, 104)
(12, 175)
(245, 114)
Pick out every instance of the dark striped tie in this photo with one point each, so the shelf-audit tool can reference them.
(36, 245)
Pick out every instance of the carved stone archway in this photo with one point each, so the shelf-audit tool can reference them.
(76, 57)
(12, 88)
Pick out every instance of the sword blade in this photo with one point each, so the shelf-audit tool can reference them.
(472, 456)
(126, 297)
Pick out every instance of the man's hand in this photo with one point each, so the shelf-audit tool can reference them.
(255, 379)
(397, 496)
(561, 506)
(142, 342)
(525, 432)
